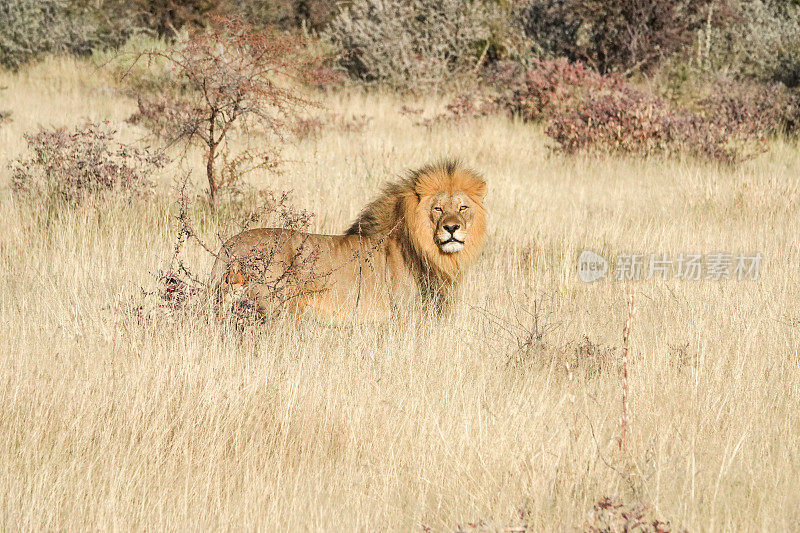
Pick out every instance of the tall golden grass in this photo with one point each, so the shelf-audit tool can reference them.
(505, 414)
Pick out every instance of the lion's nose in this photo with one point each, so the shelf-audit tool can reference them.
(452, 228)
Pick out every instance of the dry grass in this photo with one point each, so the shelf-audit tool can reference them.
(483, 418)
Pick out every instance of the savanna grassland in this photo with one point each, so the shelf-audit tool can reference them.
(505, 414)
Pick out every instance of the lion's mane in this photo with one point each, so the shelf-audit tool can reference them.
(396, 214)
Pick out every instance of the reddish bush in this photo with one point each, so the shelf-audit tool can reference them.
(72, 166)
(632, 122)
(623, 121)
(755, 110)
(467, 105)
(552, 86)
(587, 111)
(533, 94)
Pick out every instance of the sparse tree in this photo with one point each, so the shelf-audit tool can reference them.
(230, 80)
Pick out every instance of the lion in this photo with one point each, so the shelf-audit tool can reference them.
(413, 242)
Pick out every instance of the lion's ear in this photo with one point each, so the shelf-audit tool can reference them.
(481, 190)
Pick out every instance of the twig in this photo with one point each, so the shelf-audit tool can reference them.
(482, 57)
(626, 335)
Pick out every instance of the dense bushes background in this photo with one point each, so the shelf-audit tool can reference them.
(405, 42)
(31, 28)
(617, 36)
(640, 76)
(413, 43)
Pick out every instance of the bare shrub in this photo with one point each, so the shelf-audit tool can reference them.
(411, 44)
(525, 329)
(72, 166)
(591, 358)
(230, 80)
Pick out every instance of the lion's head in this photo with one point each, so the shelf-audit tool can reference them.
(437, 212)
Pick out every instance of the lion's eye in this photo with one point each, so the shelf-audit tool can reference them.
(438, 209)
(463, 208)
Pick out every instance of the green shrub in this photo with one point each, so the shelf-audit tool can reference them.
(414, 43)
(762, 42)
(30, 29)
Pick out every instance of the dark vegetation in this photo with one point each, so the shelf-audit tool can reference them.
(712, 78)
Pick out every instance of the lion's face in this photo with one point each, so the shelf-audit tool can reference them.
(451, 216)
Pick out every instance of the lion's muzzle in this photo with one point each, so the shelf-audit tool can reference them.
(451, 238)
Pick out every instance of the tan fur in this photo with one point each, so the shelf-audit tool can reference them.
(390, 252)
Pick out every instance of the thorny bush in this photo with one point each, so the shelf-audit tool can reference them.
(72, 166)
(414, 44)
(182, 291)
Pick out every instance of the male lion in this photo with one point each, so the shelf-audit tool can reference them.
(413, 241)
